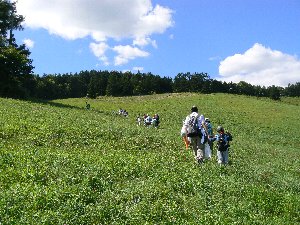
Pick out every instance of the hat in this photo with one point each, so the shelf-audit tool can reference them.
(194, 108)
(220, 129)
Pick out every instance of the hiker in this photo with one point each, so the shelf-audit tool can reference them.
(138, 120)
(145, 116)
(148, 121)
(209, 144)
(194, 128)
(87, 105)
(125, 113)
(155, 120)
(223, 139)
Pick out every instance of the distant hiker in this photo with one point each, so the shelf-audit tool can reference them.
(223, 139)
(138, 120)
(121, 111)
(125, 113)
(157, 117)
(194, 128)
(87, 105)
(155, 121)
(148, 120)
(209, 143)
(144, 117)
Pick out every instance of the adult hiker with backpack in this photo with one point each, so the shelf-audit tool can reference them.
(223, 138)
(194, 128)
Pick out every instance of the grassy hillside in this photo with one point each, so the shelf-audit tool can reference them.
(62, 164)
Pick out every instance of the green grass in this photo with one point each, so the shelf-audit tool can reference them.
(62, 164)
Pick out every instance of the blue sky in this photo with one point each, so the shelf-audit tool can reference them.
(257, 41)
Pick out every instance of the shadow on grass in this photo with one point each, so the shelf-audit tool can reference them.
(61, 105)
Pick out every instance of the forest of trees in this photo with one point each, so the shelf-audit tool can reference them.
(113, 83)
(18, 81)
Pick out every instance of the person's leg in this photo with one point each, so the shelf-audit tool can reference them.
(193, 143)
(225, 156)
(200, 153)
(220, 157)
(211, 145)
(207, 151)
(200, 150)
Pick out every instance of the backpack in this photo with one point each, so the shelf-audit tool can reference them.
(195, 130)
(209, 129)
(223, 143)
(229, 136)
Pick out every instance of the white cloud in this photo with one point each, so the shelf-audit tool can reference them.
(29, 43)
(99, 50)
(126, 53)
(136, 68)
(143, 41)
(153, 20)
(99, 19)
(261, 66)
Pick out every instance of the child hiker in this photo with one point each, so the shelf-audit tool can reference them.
(223, 145)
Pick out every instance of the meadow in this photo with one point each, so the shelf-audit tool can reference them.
(63, 164)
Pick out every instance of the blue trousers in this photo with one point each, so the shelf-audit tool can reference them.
(223, 156)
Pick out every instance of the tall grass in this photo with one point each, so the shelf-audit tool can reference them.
(62, 164)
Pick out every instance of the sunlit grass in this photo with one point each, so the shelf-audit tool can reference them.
(62, 164)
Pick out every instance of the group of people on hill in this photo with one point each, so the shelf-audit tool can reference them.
(148, 121)
(123, 112)
(197, 132)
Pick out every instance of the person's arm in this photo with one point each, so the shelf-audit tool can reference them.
(202, 120)
(183, 131)
(205, 127)
(185, 125)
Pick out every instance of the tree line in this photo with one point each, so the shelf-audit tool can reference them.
(18, 81)
(113, 83)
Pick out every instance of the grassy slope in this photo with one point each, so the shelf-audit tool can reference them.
(61, 164)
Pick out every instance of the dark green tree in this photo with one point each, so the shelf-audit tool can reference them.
(127, 88)
(47, 88)
(148, 83)
(93, 85)
(245, 88)
(292, 90)
(15, 66)
(274, 92)
(181, 83)
(163, 85)
(197, 82)
(114, 86)
(98, 83)
(136, 81)
(9, 21)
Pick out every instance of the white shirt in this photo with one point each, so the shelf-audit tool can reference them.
(186, 126)
(201, 119)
